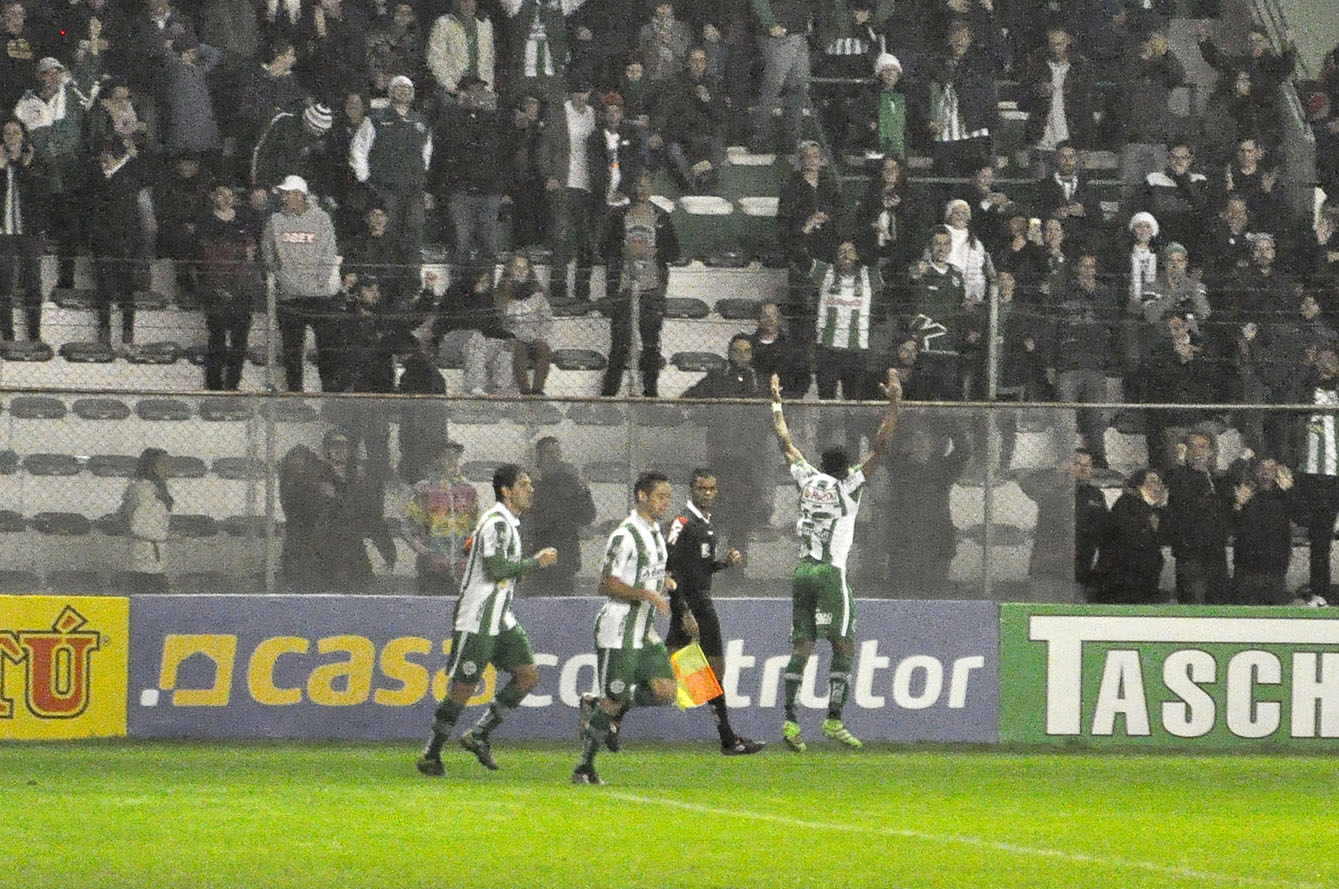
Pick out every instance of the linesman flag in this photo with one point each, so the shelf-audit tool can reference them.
(697, 681)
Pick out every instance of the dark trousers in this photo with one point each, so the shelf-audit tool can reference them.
(573, 227)
(961, 158)
(650, 319)
(1320, 501)
(294, 317)
(115, 282)
(407, 220)
(845, 366)
(1201, 579)
(226, 353)
(20, 284)
(65, 223)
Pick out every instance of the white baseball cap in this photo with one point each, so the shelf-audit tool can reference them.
(293, 183)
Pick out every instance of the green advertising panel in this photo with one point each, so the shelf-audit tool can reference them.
(1169, 677)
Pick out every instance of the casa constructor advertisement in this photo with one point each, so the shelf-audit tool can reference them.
(360, 667)
(1170, 677)
(63, 667)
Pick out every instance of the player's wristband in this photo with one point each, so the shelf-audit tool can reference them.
(776, 407)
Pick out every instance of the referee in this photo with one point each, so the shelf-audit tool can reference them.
(692, 562)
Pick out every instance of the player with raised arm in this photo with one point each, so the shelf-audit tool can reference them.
(633, 664)
(486, 631)
(821, 599)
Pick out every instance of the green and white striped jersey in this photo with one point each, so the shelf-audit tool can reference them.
(635, 554)
(845, 305)
(828, 507)
(484, 606)
(1322, 444)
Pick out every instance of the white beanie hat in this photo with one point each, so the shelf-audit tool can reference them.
(1144, 216)
(884, 60)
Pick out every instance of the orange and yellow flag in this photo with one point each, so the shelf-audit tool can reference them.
(697, 681)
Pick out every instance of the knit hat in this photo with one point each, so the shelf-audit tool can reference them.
(884, 60)
(49, 64)
(1144, 217)
(1174, 247)
(318, 118)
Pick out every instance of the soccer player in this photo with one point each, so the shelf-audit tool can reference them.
(822, 604)
(633, 663)
(692, 562)
(486, 631)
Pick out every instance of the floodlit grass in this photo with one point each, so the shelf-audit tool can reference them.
(165, 814)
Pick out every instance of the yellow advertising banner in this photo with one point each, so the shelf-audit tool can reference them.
(63, 665)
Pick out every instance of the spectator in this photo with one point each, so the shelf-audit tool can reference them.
(1175, 290)
(297, 142)
(573, 206)
(374, 254)
(301, 256)
(307, 498)
(131, 117)
(146, 507)
(1251, 80)
(225, 250)
(1263, 503)
(55, 118)
(442, 512)
(459, 46)
(333, 51)
(1130, 560)
(1260, 291)
(615, 154)
(774, 352)
(848, 43)
(423, 421)
(1147, 77)
(1178, 197)
(662, 44)
(1247, 175)
(959, 103)
(938, 294)
(529, 196)
(187, 101)
(639, 244)
(850, 296)
(562, 507)
(918, 544)
(1198, 524)
(283, 19)
(808, 216)
(1057, 93)
(1318, 481)
(232, 27)
(466, 328)
(1179, 371)
(21, 232)
(391, 152)
(1227, 249)
(1069, 196)
(1072, 519)
(264, 91)
(883, 113)
(395, 48)
(785, 55)
(21, 45)
(968, 254)
(694, 126)
(527, 316)
(991, 208)
(1143, 258)
(115, 236)
(539, 48)
(180, 198)
(89, 26)
(352, 514)
(1081, 353)
(883, 222)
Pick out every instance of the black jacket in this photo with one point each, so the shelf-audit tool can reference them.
(692, 556)
(611, 245)
(1130, 563)
(1197, 512)
(471, 153)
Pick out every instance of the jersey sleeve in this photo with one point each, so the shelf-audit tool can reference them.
(491, 538)
(851, 485)
(801, 471)
(620, 557)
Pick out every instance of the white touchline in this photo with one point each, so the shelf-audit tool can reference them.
(977, 842)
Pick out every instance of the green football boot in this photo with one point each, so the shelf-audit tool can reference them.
(790, 733)
(834, 729)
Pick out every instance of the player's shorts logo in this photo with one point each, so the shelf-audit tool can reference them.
(469, 668)
(617, 687)
(823, 618)
(58, 660)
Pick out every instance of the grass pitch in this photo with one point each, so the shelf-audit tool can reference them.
(164, 814)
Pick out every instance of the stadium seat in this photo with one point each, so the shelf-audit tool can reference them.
(162, 409)
(734, 309)
(536, 413)
(1001, 535)
(480, 470)
(23, 350)
(186, 467)
(238, 468)
(149, 301)
(222, 409)
(588, 413)
(187, 299)
(64, 524)
(244, 526)
(11, 522)
(163, 352)
(452, 359)
(19, 582)
(100, 409)
(9, 462)
(578, 359)
(51, 464)
(113, 524)
(478, 413)
(192, 526)
(112, 465)
(79, 299)
(37, 407)
(682, 307)
(256, 355)
(697, 362)
(656, 414)
(77, 582)
(88, 353)
(195, 354)
(290, 410)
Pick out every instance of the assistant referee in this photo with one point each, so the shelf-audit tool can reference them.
(692, 562)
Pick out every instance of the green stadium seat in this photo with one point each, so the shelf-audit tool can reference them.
(79, 299)
(87, 353)
(11, 522)
(681, 307)
(192, 526)
(77, 582)
(100, 409)
(51, 464)
(587, 413)
(9, 462)
(480, 471)
(735, 309)
(186, 467)
(64, 524)
(238, 468)
(19, 582)
(112, 465)
(221, 409)
(578, 359)
(697, 362)
(154, 353)
(162, 409)
(22, 350)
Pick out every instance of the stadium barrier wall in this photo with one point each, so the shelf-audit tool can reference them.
(1193, 677)
(365, 668)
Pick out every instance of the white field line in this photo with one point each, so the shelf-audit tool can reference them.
(974, 842)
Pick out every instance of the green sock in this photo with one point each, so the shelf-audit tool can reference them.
(595, 735)
(839, 685)
(793, 677)
(444, 720)
(503, 703)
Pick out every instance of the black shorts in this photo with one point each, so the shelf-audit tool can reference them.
(708, 625)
